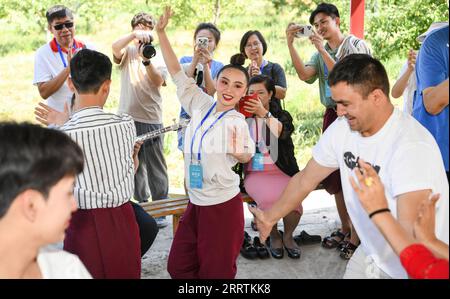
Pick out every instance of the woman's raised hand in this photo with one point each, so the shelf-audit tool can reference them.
(164, 19)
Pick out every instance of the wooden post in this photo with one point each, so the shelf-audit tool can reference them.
(357, 18)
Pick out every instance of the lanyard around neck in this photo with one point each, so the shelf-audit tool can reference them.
(204, 133)
(263, 65)
(61, 54)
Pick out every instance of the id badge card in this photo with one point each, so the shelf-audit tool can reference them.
(195, 176)
(258, 162)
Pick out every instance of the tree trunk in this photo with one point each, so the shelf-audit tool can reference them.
(216, 12)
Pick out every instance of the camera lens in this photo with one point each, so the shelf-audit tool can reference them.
(148, 51)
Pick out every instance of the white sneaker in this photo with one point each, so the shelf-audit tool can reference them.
(161, 222)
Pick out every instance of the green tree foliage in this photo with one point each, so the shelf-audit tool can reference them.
(393, 26)
(28, 16)
(90, 12)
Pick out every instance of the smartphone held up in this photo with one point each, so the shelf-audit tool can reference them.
(304, 31)
(242, 104)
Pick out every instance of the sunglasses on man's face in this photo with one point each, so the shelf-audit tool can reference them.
(61, 26)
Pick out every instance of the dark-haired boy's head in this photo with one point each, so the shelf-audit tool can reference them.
(34, 158)
(89, 70)
(326, 21)
(325, 8)
(58, 12)
(361, 71)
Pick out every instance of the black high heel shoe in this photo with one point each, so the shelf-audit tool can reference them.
(277, 253)
(293, 253)
(263, 253)
(247, 249)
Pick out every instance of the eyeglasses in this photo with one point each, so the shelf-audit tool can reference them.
(254, 45)
(60, 26)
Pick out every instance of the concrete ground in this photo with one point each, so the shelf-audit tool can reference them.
(320, 217)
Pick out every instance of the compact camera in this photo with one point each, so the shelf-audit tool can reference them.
(305, 31)
(202, 42)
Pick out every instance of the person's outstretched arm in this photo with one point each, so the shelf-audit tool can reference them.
(299, 186)
(171, 60)
(370, 192)
(304, 72)
(402, 82)
(417, 259)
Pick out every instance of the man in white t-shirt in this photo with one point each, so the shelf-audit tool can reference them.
(404, 154)
(141, 77)
(52, 60)
(37, 177)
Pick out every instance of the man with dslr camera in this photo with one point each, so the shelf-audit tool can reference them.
(140, 97)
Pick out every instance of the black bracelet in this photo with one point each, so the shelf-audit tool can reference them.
(378, 211)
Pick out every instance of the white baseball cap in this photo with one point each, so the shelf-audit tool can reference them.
(434, 26)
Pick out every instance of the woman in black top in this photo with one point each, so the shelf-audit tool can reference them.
(253, 46)
(274, 163)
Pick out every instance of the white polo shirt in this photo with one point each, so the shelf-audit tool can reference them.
(47, 65)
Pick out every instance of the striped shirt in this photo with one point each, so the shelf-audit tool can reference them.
(107, 141)
(352, 45)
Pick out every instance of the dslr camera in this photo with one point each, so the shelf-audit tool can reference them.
(146, 49)
(202, 42)
(305, 31)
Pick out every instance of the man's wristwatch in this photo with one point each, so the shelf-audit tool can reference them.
(268, 115)
(146, 62)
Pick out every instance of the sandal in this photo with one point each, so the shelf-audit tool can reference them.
(342, 244)
(348, 250)
(330, 242)
(306, 239)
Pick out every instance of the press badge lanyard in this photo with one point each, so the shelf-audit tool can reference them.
(206, 131)
(327, 86)
(258, 158)
(196, 170)
(263, 65)
(257, 135)
(61, 54)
